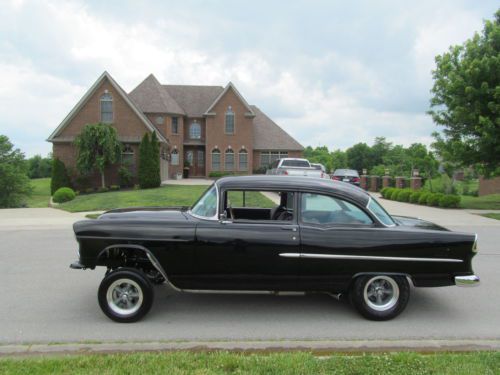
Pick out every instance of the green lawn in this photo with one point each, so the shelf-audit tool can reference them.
(492, 216)
(41, 193)
(486, 202)
(173, 195)
(175, 363)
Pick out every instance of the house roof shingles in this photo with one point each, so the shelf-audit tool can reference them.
(193, 101)
(267, 135)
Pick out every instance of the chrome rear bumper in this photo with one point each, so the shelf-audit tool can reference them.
(471, 280)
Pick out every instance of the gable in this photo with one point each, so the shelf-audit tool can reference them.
(230, 88)
(129, 121)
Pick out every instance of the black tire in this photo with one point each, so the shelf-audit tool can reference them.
(125, 295)
(380, 304)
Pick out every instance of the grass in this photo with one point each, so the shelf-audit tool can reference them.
(486, 202)
(492, 216)
(172, 195)
(41, 193)
(278, 363)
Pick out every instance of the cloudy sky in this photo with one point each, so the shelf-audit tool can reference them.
(330, 72)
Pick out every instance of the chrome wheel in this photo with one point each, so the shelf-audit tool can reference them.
(381, 293)
(124, 297)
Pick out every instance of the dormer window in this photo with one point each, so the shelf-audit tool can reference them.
(106, 108)
(229, 120)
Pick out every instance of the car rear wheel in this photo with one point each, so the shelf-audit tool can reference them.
(125, 295)
(380, 297)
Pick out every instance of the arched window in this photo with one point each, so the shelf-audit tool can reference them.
(195, 131)
(229, 120)
(229, 160)
(243, 160)
(216, 159)
(107, 108)
(174, 157)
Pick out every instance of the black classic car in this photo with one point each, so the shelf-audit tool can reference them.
(272, 234)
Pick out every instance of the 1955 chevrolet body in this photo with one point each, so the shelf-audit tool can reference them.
(272, 234)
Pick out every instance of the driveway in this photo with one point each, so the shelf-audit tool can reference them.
(44, 301)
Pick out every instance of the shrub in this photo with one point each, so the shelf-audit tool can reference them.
(102, 190)
(433, 199)
(384, 191)
(389, 192)
(404, 195)
(125, 176)
(64, 194)
(59, 176)
(114, 187)
(414, 197)
(394, 194)
(449, 201)
(89, 190)
(217, 174)
(423, 197)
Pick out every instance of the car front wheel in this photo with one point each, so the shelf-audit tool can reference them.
(380, 297)
(125, 295)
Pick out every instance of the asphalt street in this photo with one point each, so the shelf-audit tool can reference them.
(43, 301)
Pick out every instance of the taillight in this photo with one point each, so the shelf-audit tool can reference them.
(283, 172)
(337, 178)
(355, 179)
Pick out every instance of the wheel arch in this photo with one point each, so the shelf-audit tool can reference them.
(151, 257)
(374, 273)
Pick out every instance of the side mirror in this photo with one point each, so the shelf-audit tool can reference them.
(223, 216)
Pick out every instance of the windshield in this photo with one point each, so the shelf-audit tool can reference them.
(346, 172)
(380, 213)
(206, 206)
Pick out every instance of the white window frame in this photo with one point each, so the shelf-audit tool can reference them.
(229, 151)
(243, 152)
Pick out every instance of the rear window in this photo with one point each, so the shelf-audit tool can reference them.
(346, 172)
(296, 163)
(317, 166)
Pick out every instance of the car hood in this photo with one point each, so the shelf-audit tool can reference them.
(417, 223)
(146, 213)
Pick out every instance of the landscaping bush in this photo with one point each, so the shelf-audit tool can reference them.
(125, 176)
(64, 194)
(114, 187)
(59, 176)
(433, 199)
(149, 171)
(449, 201)
(89, 191)
(414, 197)
(423, 197)
(386, 192)
(102, 190)
(404, 195)
(394, 194)
(217, 174)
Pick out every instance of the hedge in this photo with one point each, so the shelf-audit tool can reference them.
(421, 197)
(64, 194)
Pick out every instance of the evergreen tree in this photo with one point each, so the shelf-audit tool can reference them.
(155, 161)
(59, 176)
(144, 161)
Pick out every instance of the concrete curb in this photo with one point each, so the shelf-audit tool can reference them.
(317, 347)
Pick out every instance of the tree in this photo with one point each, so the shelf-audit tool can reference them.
(338, 160)
(359, 157)
(466, 100)
(59, 176)
(14, 182)
(39, 167)
(155, 161)
(149, 162)
(97, 147)
(381, 147)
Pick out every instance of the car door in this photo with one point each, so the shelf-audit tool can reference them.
(245, 255)
(329, 227)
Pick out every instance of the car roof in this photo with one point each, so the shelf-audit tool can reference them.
(311, 184)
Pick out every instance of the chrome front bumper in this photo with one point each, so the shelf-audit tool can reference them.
(471, 280)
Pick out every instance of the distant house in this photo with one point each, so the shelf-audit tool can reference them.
(204, 128)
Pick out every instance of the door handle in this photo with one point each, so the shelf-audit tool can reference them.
(290, 228)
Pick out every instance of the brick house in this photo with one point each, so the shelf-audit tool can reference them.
(204, 128)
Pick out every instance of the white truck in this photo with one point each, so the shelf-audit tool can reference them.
(294, 167)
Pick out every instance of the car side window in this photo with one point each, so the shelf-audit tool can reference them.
(259, 205)
(327, 210)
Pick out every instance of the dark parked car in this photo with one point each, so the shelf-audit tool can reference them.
(346, 175)
(272, 234)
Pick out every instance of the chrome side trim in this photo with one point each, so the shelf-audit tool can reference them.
(215, 291)
(150, 256)
(367, 257)
(471, 280)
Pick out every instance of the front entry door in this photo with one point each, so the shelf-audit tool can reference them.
(196, 160)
